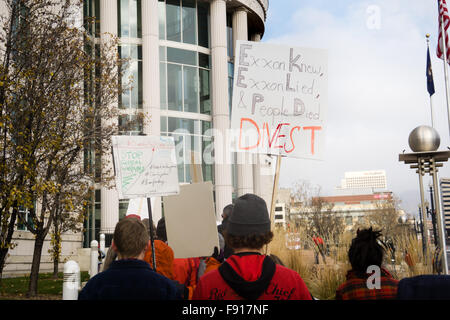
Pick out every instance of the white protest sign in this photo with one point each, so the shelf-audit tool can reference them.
(279, 101)
(190, 221)
(145, 166)
(139, 207)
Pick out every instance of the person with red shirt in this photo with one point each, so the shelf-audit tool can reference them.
(248, 274)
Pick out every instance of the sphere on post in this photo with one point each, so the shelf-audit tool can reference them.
(424, 139)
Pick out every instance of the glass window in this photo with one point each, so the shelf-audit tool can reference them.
(204, 60)
(130, 124)
(23, 217)
(208, 172)
(162, 19)
(189, 22)
(203, 24)
(129, 18)
(230, 46)
(174, 87)
(162, 53)
(123, 207)
(190, 89)
(163, 124)
(181, 56)
(230, 84)
(131, 77)
(162, 87)
(205, 98)
(173, 20)
(133, 18)
(181, 123)
(206, 125)
(124, 27)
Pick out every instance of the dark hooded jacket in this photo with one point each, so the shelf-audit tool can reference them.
(251, 276)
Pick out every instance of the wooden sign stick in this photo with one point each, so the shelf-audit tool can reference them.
(150, 221)
(274, 196)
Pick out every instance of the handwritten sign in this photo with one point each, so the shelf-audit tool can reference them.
(139, 207)
(145, 166)
(279, 101)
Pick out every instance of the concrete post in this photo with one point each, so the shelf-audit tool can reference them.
(71, 282)
(94, 258)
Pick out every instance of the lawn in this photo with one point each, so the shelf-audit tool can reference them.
(48, 287)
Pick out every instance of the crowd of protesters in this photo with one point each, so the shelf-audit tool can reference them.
(238, 269)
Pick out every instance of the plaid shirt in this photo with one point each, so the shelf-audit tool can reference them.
(355, 288)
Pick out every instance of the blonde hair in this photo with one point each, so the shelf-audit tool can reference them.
(130, 237)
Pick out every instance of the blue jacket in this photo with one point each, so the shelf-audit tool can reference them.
(129, 279)
(424, 287)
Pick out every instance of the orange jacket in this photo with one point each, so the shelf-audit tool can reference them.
(164, 258)
(185, 270)
(211, 264)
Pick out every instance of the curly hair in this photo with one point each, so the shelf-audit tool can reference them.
(252, 241)
(365, 251)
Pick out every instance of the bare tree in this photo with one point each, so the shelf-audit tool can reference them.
(384, 217)
(318, 216)
(55, 98)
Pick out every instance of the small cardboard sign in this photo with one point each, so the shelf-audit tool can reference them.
(190, 221)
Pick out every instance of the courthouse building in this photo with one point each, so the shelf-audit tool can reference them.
(182, 54)
(181, 59)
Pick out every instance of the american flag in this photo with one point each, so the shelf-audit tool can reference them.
(443, 17)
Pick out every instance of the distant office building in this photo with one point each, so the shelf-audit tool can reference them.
(280, 218)
(445, 200)
(353, 208)
(362, 182)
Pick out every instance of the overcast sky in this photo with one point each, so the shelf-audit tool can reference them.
(377, 86)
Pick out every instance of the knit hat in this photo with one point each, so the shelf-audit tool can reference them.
(250, 215)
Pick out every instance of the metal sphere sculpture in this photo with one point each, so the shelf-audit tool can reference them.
(424, 139)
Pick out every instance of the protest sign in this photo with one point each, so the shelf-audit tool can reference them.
(145, 166)
(138, 206)
(279, 103)
(191, 222)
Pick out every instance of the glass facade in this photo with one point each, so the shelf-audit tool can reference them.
(185, 80)
(185, 21)
(131, 98)
(190, 135)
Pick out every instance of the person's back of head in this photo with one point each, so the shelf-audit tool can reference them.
(130, 238)
(365, 251)
(249, 224)
(161, 232)
(226, 213)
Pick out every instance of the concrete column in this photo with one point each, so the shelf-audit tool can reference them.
(109, 197)
(220, 108)
(244, 160)
(256, 37)
(150, 78)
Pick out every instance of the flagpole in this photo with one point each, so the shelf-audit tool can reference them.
(444, 47)
(431, 97)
